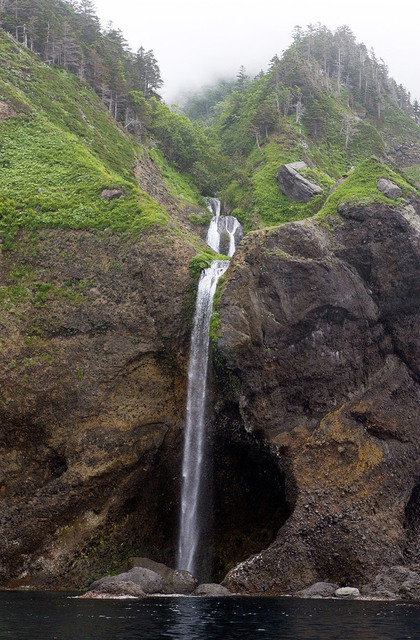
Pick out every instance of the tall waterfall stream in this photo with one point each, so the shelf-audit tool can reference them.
(221, 228)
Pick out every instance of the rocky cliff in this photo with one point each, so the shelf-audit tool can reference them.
(94, 336)
(320, 333)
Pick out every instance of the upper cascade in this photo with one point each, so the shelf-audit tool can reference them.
(225, 232)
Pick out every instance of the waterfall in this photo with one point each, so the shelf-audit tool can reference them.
(213, 235)
(194, 438)
(195, 421)
(234, 225)
(224, 232)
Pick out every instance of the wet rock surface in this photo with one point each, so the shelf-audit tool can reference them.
(319, 334)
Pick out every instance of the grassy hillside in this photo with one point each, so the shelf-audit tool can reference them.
(60, 148)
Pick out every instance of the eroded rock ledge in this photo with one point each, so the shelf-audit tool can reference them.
(320, 331)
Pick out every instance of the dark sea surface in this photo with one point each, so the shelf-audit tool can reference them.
(52, 616)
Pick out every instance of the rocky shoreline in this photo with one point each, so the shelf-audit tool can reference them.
(148, 578)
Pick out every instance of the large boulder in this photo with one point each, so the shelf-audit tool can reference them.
(148, 581)
(347, 592)
(112, 194)
(293, 185)
(389, 188)
(173, 580)
(318, 590)
(115, 588)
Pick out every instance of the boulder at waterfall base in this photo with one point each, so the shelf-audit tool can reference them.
(173, 580)
(146, 580)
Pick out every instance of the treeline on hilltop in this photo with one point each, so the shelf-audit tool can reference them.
(68, 34)
(327, 100)
(320, 64)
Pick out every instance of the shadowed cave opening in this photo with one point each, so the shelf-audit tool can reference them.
(412, 526)
(252, 498)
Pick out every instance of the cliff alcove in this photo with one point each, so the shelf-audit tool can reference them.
(412, 525)
(253, 496)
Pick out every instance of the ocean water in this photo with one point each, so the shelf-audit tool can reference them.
(56, 616)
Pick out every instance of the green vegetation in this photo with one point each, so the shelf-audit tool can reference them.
(37, 293)
(203, 260)
(360, 187)
(50, 179)
(413, 173)
(328, 101)
(179, 185)
(62, 148)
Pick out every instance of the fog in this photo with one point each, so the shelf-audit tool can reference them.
(197, 42)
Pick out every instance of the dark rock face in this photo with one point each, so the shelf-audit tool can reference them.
(320, 333)
(295, 186)
(92, 371)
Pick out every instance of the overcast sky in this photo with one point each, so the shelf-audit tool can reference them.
(199, 41)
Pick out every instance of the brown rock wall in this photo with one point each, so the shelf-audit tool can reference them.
(92, 373)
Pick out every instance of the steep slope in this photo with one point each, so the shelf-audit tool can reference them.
(316, 385)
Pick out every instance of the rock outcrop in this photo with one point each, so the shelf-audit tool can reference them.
(389, 188)
(320, 333)
(148, 577)
(112, 194)
(293, 185)
(6, 110)
(318, 590)
(145, 582)
(210, 589)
